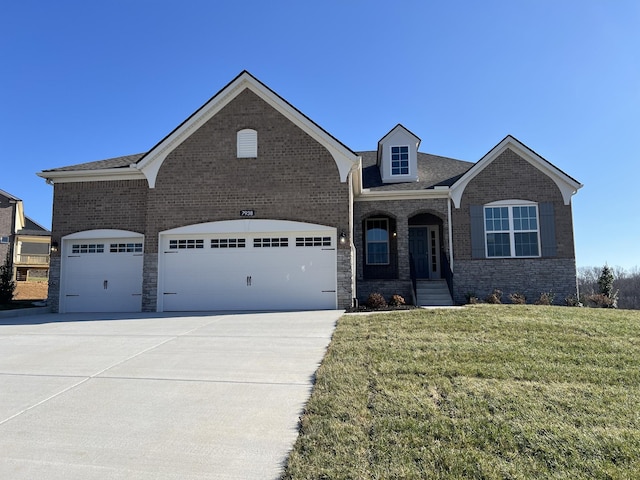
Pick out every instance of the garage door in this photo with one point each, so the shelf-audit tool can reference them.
(249, 265)
(102, 274)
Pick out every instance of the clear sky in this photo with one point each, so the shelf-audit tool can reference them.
(87, 80)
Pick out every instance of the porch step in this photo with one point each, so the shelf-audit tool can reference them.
(433, 293)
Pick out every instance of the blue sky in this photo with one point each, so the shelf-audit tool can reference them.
(87, 80)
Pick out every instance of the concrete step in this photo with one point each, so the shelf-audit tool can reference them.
(433, 293)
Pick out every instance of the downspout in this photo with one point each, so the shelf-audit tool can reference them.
(450, 234)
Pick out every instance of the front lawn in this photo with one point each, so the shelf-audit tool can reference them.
(492, 392)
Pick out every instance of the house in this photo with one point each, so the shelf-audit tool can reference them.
(250, 205)
(26, 242)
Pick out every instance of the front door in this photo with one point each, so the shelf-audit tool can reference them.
(424, 249)
(419, 250)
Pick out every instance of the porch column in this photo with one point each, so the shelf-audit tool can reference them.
(402, 242)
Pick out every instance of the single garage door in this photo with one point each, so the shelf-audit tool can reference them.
(249, 265)
(102, 274)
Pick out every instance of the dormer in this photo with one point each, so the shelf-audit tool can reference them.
(398, 156)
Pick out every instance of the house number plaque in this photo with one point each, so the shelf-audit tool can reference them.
(247, 213)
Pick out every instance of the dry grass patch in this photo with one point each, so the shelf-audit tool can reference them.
(484, 392)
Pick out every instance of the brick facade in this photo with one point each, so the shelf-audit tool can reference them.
(7, 215)
(293, 178)
(509, 177)
(401, 211)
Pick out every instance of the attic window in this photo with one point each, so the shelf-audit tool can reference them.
(400, 160)
(247, 143)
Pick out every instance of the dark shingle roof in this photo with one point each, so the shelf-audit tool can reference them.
(433, 170)
(31, 227)
(9, 196)
(117, 162)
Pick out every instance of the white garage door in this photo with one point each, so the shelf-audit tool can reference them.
(102, 275)
(287, 266)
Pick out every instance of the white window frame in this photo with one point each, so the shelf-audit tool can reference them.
(401, 164)
(511, 230)
(4, 240)
(367, 242)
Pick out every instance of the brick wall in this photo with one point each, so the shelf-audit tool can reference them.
(401, 211)
(528, 276)
(511, 177)
(202, 180)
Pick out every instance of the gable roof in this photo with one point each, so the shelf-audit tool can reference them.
(433, 171)
(31, 227)
(9, 196)
(568, 186)
(148, 164)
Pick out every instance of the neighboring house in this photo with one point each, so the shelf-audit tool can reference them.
(250, 205)
(27, 242)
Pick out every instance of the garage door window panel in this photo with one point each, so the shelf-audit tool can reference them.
(270, 242)
(87, 248)
(313, 241)
(125, 248)
(228, 243)
(180, 244)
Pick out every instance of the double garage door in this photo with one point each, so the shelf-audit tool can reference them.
(231, 265)
(248, 265)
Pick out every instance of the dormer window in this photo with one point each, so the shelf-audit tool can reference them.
(400, 160)
(247, 143)
(398, 156)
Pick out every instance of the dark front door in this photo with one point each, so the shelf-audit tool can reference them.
(419, 250)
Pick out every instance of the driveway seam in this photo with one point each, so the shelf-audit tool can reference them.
(86, 379)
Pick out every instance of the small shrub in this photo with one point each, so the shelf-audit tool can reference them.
(546, 298)
(494, 297)
(600, 300)
(376, 300)
(518, 298)
(7, 285)
(573, 301)
(396, 300)
(472, 298)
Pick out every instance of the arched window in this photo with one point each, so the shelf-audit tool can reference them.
(247, 143)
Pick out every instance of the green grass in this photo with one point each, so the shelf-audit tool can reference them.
(486, 392)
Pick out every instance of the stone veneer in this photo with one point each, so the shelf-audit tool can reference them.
(529, 277)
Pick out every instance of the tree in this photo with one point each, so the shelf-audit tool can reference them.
(7, 285)
(605, 281)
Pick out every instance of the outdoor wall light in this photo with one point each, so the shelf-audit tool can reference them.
(54, 246)
(343, 237)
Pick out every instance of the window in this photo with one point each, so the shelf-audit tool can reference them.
(512, 231)
(377, 239)
(270, 242)
(87, 248)
(313, 241)
(247, 143)
(4, 239)
(228, 243)
(186, 243)
(399, 160)
(125, 248)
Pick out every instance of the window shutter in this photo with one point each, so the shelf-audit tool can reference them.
(247, 143)
(477, 231)
(547, 230)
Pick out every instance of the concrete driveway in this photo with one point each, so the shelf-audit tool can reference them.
(155, 396)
